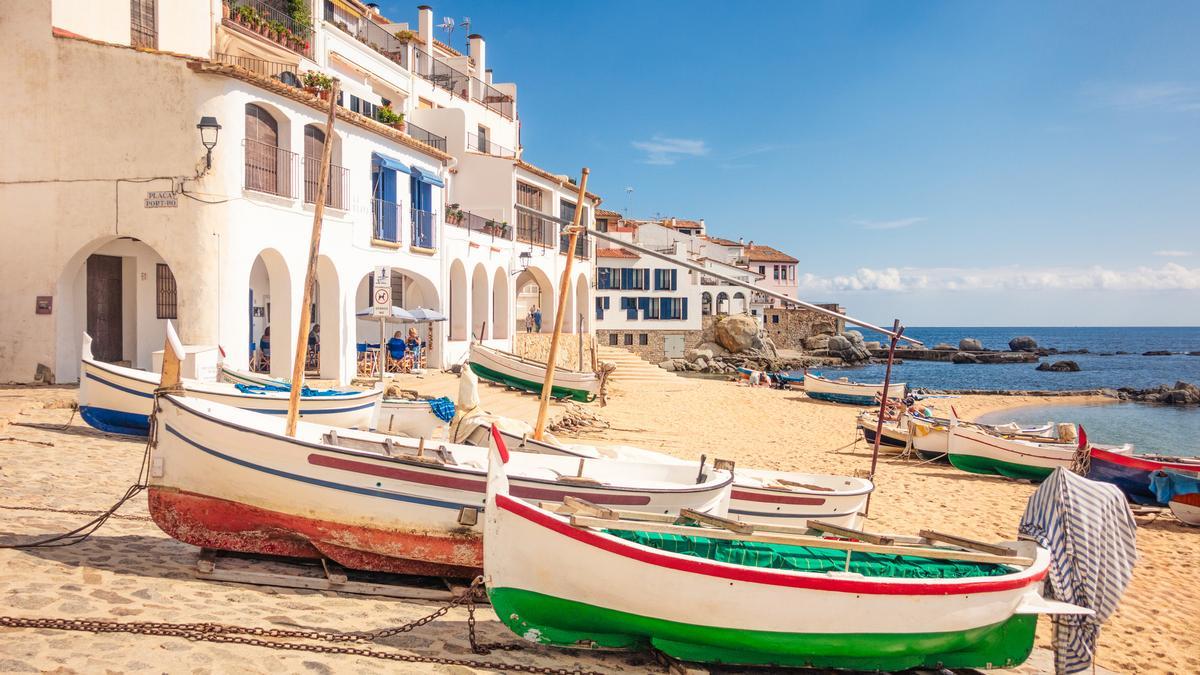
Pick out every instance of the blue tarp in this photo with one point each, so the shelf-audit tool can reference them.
(304, 391)
(443, 408)
(1167, 484)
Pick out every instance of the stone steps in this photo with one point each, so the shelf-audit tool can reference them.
(632, 368)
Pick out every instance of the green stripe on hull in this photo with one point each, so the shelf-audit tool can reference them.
(565, 623)
(996, 467)
(556, 391)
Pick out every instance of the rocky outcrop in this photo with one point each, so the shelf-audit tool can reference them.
(1181, 393)
(1059, 366)
(964, 357)
(1023, 343)
(944, 346)
(737, 333)
(697, 354)
(817, 342)
(849, 347)
(1157, 352)
(970, 345)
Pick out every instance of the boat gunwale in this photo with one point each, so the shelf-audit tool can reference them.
(891, 385)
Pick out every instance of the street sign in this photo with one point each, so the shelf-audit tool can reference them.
(381, 299)
(161, 200)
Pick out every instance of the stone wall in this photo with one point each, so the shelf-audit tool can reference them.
(654, 350)
(536, 346)
(788, 328)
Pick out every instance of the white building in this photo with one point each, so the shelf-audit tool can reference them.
(116, 222)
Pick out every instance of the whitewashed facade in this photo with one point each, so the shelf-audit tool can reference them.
(116, 223)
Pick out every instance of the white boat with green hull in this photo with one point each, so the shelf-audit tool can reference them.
(521, 373)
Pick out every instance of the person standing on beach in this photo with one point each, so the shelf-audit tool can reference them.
(537, 319)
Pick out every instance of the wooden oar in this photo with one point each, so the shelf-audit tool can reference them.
(310, 275)
(552, 360)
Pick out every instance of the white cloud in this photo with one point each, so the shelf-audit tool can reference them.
(888, 224)
(666, 151)
(1173, 253)
(1173, 96)
(1170, 276)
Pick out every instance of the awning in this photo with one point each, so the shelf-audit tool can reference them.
(427, 177)
(389, 163)
(345, 6)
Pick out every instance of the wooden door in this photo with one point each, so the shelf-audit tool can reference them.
(104, 307)
(264, 170)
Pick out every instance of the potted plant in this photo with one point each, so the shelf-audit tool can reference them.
(454, 214)
(317, 84)
(390, 117)
(405, 35)
(342, 25)
(245, 15)
(277, 30)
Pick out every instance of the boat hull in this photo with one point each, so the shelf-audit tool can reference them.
(511, 370)
(408, 418)
(617, 594)
(1130, 473)
(849, 393)
(891, 437)
(975, 451)
(1187, 508)
(120, 400)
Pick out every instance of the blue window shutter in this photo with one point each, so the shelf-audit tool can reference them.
(665, 312)
(602, 277)
(684, 311)
(606, 302)
(674, 279)
(599, 309)
(630, 309)
(646, 279)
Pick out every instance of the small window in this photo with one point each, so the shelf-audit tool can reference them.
(629, 339)
(425, 104)
(613, 339)
(774, 318)
(643, 339)
(165, 293)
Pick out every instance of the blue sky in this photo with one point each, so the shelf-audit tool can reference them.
(966, 163)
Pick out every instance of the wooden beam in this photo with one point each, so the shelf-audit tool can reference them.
(716, 521)
(587, 508)
(830, 528)
(963, 542)
(800, 540)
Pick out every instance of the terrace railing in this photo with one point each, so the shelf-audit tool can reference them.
(284, 72)
(373, 35)
(533, 228)
(271, 21)
(441, 74)
(423, 229)
(582, 245)
(484, 145)
(492, 98)
(387, 219)
(270, 169)
(426, 137)
(475, 223)
(339, 183)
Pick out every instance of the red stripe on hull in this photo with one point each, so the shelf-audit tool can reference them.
(776, 499)
(210, 522)
(1140, 462)
(1191, 499)
(469, 485)
(762, 575)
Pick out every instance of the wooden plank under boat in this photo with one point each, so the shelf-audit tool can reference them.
(717, 596)
(843, 390)
(758, 495)
(230, 479)
(1133, 473)
(119, 400)
(515, 371)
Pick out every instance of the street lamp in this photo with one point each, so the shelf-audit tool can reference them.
(209, 130)
(523, 259)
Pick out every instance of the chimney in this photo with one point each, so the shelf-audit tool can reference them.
(487, 76)
(425, 26)
(741, 242)
(478, 52)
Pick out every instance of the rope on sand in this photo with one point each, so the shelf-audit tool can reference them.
(576, 418)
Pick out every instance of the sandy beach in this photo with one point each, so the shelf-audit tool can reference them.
(131, 571)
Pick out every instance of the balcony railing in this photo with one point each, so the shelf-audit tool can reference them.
(423, 230)
(284, 72)
(492, 98)
(426, 137)
(273, 23)
(441, 74)
(371, 34)
(339, 183)
(271, 169)
(582, 245)
(535, 229)
(485, 226)
(484, 145)
(387, 219)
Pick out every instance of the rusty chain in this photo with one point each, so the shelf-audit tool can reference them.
(226, 634)
(78, 512)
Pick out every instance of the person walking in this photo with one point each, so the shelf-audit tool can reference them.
(529, 321)
(537, 319)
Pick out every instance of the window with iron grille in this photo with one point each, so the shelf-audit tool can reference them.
(143, 23)
(166, 298)
(529, 196)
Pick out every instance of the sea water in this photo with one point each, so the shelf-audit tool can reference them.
(1151, 428)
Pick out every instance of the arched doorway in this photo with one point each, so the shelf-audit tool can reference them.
(480, 329)
(272, 333)
(706, 304)
(581, 304)
(500, 305)
(409, 291)
(739, 303)
(328, 314)
(458, 301)
(722, 303)
(535, 290)
(121, 292)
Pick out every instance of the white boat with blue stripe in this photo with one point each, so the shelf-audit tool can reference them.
(119, 400)
(843, 390)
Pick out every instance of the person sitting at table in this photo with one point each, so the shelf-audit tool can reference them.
(396, 346)
(414, 345)
(264, 348)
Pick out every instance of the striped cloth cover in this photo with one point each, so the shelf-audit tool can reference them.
(1091, 535)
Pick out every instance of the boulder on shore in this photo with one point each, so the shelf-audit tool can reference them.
(1059, 366)
(964, 357)
(1157, 352)
(1022, 343)
(737, 333)
(970, 345)
(1180, 393)
(697, 354)
(817, 342)
(849, 347)
(713, 347)
(667, 365)
(943, 346)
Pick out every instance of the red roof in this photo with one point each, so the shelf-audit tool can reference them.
(722, 241)
(607, 213)
(678, 223)
(758, 252)
(615, 253)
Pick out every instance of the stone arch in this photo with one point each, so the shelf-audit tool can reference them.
(480, 327)
(501, 305)
(738, 306)
(330, 313)
(534, 287)
(270, 307)
(458, 301)
(409, 291)
(706, 304)
(722, 303)
(582, 305)
(121, 312)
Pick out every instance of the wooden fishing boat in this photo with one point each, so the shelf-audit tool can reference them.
(230, 479)
(119, 400)
(931, 435)
(1181, 491)
(758, 496)
(522, 373)
(596, 579)
(977, 450)
(1133, 473)
(235, 376)
(894, 437)
(843, 390)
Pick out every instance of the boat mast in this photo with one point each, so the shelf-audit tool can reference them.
(311, 274)
(552, 360)
(897, 332)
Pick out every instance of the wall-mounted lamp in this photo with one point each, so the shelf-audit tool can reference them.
(523, 260)
(209, 130)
